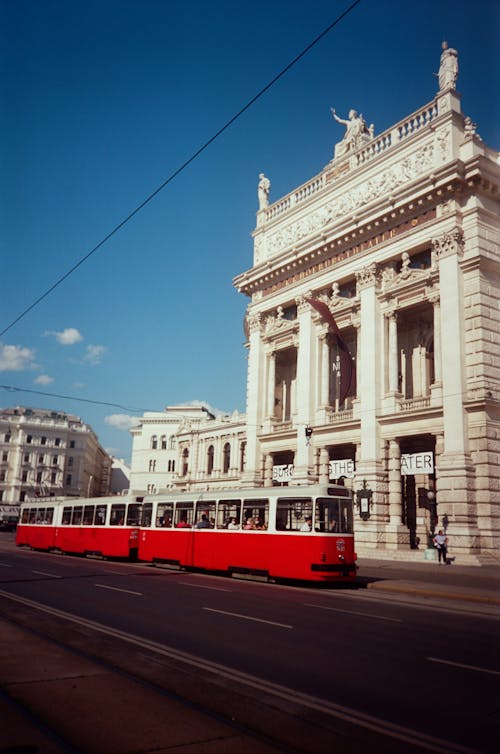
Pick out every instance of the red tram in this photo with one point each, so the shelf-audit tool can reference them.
(303, 533)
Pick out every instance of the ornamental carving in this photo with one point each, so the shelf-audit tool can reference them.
(254, 323)
(416, 164)
(277, 323)
(367, 277)
(448, 244)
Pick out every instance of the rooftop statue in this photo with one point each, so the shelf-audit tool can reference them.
(356, 134)
(448, 68)
(263, 190)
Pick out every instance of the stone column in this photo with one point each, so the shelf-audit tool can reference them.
(256, 364)
(303, 466)
(393, 352)
(324, 470)
(271, 384)
(456, 473)
(268, 470)
(325, 371)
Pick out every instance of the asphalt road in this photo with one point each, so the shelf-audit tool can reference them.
(428, 668)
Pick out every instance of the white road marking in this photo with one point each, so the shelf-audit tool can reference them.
(247, 617)
(115, 589)
(201, 586)
(6, 565)
(462, 665)
(44, 573)
(355, 612)
(369, 722)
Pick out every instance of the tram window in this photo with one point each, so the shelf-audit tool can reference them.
(134, 514)
(255, 514)
(147, 514)
(66, 516)
(117, 514)
(183, 518)
(100, 515)
(292, 512)
(333, 516)
(229, 514)
(49, 516)
(76, 519)
(205, 514)
(88, 515)
(25, 516)
(164, 515)
(33, 512)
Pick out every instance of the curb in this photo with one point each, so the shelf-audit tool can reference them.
(423, 592)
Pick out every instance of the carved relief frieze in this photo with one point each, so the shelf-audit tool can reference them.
(254, 322)
(444, 145)
(277, 323)
(385, 182)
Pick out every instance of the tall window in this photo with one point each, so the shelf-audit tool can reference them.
(154, 442)
(226, 462)
(163, 442)
(185, 462)
(210, 460)
(243, 448)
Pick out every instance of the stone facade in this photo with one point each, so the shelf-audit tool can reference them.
(45, 452)
(400, 238)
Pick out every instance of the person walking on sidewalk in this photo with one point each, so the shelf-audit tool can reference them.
(441, 543)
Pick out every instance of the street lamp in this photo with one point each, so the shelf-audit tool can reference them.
(432, 504)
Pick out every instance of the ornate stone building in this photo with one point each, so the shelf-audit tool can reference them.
(399, 235)
(45, 452)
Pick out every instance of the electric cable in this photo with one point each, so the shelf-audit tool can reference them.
(181, 168)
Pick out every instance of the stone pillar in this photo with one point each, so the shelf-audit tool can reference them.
(256, 364)
(325, 371)
(268, 470)
(271, 384)
(369, 464)
(324, 470)
(304, 466)
(393, 352)
(455, 481)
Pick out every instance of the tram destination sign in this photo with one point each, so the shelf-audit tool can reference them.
(417, 463)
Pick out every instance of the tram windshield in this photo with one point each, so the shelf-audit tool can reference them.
(333, 516)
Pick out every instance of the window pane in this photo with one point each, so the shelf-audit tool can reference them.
(183, 515)
(255, 514)
(229, 514)
(147, 513)
(49, 516)
(117, 514)
(100, 515)
(25, 516)
(205, 514)
(134, 514)
(164, 514)
(294, 514)
(333, 516)
(88, 515)
(66, 516)
(77, 515)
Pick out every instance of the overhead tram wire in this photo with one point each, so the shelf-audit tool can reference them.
(182, 167)
(12, 389)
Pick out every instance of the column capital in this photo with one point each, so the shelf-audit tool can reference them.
(450, 243)
(254, 322)
(368, 276)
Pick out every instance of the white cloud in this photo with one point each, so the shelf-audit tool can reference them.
(94, 354)
(43, 379)
(78, 385)
(205, 404)
(16, 358)
(67, 337)
(122, 421)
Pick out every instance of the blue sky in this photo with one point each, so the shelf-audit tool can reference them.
(102, 100)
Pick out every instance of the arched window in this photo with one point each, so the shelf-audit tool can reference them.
(171, 465)
(172, 442)
(185, 461)
(243, 448)
(154, 442)
(163, 442)
(226, 461)
(210, 460)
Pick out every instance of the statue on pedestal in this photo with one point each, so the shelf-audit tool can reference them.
(356, 134)
(448, 68)
(263, 190)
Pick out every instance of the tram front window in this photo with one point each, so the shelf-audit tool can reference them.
(333, 516)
